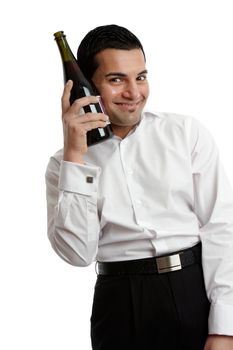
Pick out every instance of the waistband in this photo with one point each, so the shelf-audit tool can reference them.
(161, 264)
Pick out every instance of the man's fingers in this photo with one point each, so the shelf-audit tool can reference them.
(82, 102)
(78, 104)
(86, 118)
(94, 125)
(65, 100)
(81, 129)
(91, 117)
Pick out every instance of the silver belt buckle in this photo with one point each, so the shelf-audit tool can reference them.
(168, 263)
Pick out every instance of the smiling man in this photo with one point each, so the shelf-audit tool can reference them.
(151, 206)
(121, 77)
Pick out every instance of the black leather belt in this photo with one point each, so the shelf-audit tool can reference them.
(162, 264)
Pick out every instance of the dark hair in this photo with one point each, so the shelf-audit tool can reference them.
(100, 38)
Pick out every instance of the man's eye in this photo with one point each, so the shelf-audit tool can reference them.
(115, 80)
(141, 77)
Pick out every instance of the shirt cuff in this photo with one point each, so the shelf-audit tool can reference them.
(78, 178)
(221, 319)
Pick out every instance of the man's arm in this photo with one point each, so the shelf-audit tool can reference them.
(73, 225)
(214, 209)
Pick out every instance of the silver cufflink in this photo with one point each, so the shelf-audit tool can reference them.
(89, 179)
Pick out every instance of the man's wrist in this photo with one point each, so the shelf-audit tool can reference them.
(73, 157)
(219, 342)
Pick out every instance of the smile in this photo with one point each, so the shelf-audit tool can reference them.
(128, 105)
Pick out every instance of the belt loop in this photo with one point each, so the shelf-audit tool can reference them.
(96, 264)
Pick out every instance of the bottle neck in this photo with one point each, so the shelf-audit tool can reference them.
(64, 48)
(71, 68)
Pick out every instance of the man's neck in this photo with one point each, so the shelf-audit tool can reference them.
(121, 131)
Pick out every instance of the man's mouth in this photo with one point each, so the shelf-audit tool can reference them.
(128, 105)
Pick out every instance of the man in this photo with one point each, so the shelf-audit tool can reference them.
(140, 203)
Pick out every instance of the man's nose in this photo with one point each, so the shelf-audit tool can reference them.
(131, 91)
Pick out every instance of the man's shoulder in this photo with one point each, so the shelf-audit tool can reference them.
(170, 119)
(54, 162)
(57, 156)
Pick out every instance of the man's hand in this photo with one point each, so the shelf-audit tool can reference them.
(76, 126)
(219, 342)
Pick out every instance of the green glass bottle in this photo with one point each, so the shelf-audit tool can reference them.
(81, 88)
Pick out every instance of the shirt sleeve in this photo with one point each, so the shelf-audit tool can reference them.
(73, 224)
(214, 208)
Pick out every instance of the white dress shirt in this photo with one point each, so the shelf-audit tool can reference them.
(160, 189)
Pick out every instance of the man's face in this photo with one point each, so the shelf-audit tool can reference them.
(122, 83)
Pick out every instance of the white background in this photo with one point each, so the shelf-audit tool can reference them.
(45, 303)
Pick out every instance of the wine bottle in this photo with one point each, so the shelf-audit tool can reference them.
(81, 88)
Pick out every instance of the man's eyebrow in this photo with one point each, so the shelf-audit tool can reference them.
(119, 74)
(145, 71)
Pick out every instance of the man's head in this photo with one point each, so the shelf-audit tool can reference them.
(104, 37)
(113, 58)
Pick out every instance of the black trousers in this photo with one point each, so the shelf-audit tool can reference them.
(150, 311)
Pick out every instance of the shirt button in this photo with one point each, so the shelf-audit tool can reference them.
(130, 171)
(139, 202)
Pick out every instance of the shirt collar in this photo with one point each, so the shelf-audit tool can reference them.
(144, 115)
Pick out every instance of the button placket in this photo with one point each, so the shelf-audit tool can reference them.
(133, 187)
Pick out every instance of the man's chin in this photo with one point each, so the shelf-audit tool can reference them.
(124, 123)
(128, 117)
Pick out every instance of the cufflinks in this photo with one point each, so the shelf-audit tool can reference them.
(89, 179)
